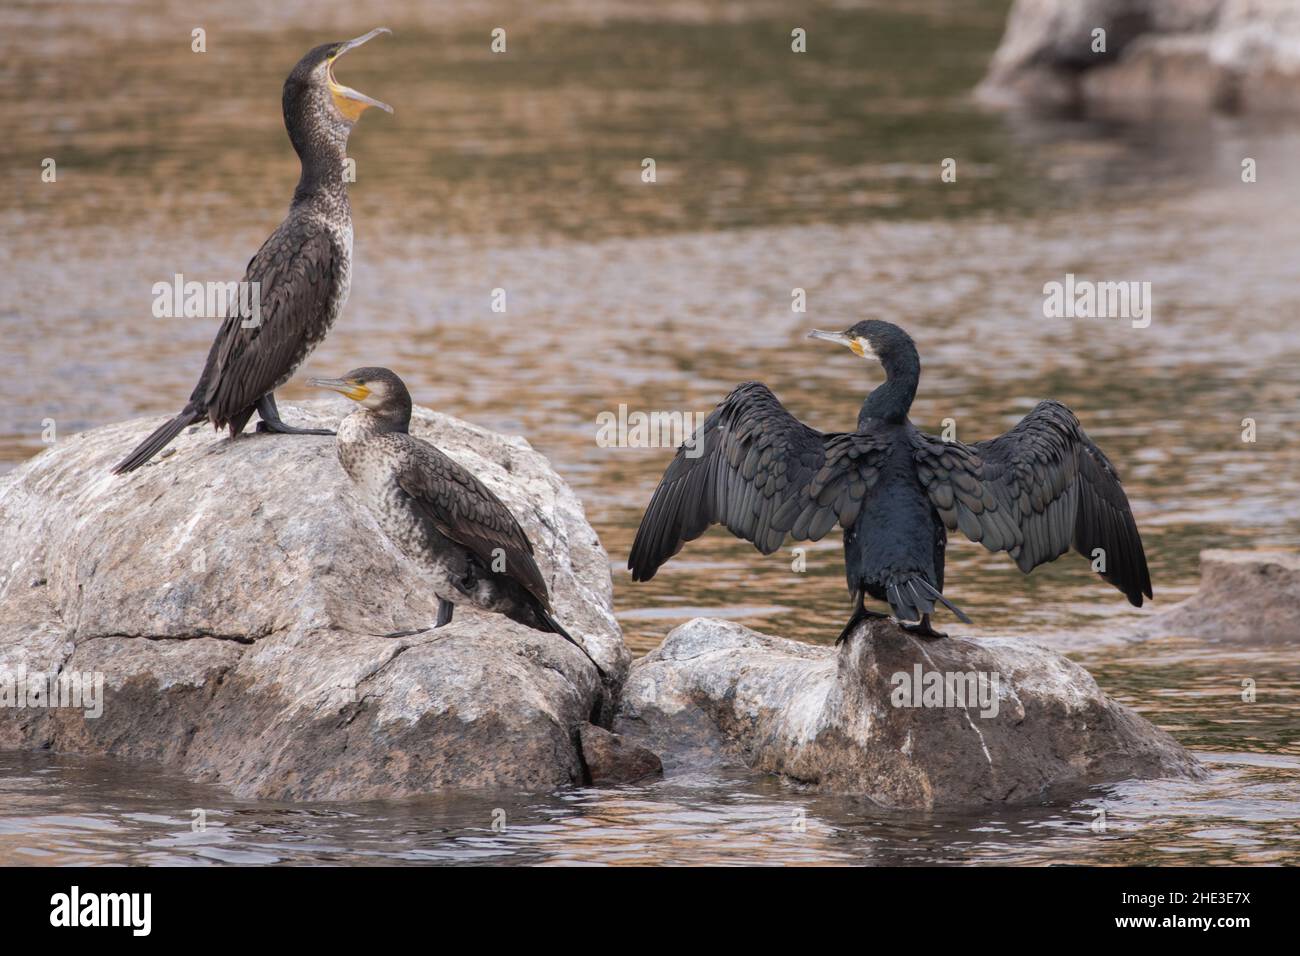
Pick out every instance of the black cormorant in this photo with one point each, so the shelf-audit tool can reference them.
(896, 492)
(436, 512)
(302, 272)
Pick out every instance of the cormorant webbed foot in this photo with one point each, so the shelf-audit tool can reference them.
(271, 420)
(923, 629)
(280, 428)
(860, 615)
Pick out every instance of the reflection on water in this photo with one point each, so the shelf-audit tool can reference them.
(67, 810)
(775, 171)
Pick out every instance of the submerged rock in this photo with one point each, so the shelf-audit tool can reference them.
(233, 596)
(1013, 721)
(611, 759)
(1244, 597)
(1234, 55)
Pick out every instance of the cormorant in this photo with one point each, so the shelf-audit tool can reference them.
(896, 491)
(436, 512)
(302, 272)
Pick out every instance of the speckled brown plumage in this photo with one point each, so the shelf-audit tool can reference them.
(445, 520)
(435, 511)
(302, 275)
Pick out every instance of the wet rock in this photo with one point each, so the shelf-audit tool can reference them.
(1245, 597)
(612, 760)
(840, 720)
(233, 596)
(1235, 55)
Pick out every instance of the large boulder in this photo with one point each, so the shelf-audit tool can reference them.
(1245, 597)
(1234, 55)
(868, 718)
(234, 598)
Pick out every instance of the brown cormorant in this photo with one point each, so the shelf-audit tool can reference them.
(301, 274)
(436, 512)
(895, 491)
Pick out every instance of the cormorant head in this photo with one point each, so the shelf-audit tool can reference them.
(883, 341)
(316, 104)
(378, 390)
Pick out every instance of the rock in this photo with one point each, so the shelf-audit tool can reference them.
(612, 760)
(233, 596)
(1245, 596)
(1235, 55)
(715, 692)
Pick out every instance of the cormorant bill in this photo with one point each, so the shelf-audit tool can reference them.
(894, 490)
(436, 512)
(300, 275)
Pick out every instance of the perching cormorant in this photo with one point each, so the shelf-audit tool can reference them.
(302, 272)
(436, 512)
(896, 492)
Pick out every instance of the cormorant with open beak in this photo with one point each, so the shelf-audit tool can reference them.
(436, 512)
(300, 276)
(895, 491)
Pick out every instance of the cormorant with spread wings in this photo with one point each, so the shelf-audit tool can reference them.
(895, 491)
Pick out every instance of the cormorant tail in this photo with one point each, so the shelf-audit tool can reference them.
(555, 628)
(157, 440)
(911, 597)
(958, 612)
(445, 611)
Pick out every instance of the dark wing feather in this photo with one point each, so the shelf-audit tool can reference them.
(762, 473)
(1034, 492)
(463, 509)
(297, 271)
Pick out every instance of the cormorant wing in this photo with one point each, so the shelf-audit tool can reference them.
(296, 270)
(463, 509)
(1034, 492)
(762, 473)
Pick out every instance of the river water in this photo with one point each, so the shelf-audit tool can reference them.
(775, 171)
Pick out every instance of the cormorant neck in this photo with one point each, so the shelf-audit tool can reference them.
(892, 400)
(368, 422)
(385, 420)
(321, 142)
(322, 170)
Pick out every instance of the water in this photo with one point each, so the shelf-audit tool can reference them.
(775, 171)
(70, 810)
